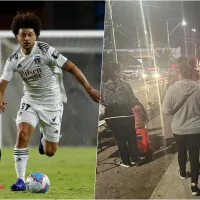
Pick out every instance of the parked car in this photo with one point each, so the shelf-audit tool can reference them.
(132, 72)
(151, 74)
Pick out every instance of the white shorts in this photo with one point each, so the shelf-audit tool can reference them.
(48, 116)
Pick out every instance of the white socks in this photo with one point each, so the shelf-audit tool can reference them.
(21, 158)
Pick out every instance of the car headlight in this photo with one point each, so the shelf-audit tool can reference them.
(156, 75)
(144, 76)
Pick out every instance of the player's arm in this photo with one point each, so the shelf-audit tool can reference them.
(76, 72)
(4, 80)
(3, 85)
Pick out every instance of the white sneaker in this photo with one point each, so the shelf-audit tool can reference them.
(195, 190)
(134, 163)
(185, 176)
(123, 165)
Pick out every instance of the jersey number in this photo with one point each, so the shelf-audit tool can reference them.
(25, 106)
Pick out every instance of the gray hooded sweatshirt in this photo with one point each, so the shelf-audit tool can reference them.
(187, 119)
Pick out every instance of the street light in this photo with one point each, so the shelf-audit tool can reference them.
(183, 23)
(193, 30)
(192, 40)
(195, 44)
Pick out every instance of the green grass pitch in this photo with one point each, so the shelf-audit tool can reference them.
(71, 172)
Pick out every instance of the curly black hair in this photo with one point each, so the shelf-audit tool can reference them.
(26, 20)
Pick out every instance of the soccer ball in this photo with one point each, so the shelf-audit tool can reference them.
(37, 182)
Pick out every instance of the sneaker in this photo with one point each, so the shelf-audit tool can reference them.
(195, 190)
(142, 157)
(141, 162)
(138, 162)
(124, 165)
(18, 186)
(40, 148)
(174, 143)
(184, 175)
(133, 162)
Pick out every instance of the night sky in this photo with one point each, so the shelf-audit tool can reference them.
(129, 28)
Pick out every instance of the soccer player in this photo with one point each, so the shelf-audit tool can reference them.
(40, 67)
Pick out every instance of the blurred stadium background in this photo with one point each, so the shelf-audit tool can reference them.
(80, 118)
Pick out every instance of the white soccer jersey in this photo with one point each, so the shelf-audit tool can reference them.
(41, 72)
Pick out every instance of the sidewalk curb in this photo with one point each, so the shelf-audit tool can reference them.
(160, 190)
(171, 186)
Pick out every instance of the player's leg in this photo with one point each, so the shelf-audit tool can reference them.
(24, 131)
(50, 125)
(50, 147)
(40, 147)
(49, 140)
(27, 120)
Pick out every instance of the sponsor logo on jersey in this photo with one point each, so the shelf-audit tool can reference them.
(31, 75)
(37, 60)
(55, 54)
(56, 131)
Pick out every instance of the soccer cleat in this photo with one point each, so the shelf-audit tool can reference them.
(40, 147)
(18, 186)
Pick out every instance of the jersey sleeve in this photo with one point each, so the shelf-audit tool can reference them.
(8, 71)
(55, 58)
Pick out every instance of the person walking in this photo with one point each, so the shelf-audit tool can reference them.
(182, 100)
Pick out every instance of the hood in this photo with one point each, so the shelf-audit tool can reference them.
(187, 86)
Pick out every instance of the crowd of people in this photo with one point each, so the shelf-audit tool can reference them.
(124, 114)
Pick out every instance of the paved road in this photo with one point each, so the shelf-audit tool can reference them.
(141, 85)
(116, 182)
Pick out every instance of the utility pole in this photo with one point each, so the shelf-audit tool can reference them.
(168, 41)
(183, 23)
(110, 24)
(168, 34)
